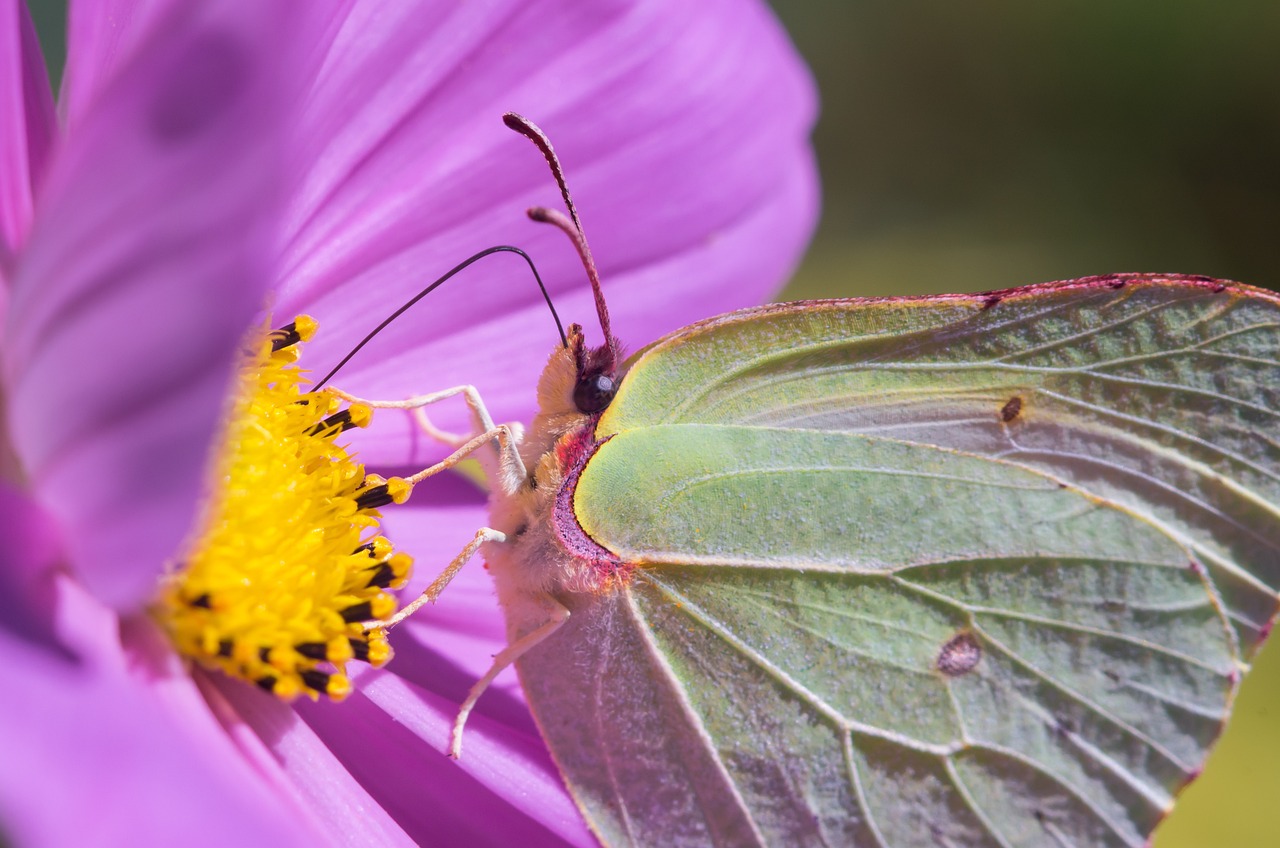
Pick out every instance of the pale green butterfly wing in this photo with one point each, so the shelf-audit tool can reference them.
(1157, 395)
(953, 571)
(823, 639)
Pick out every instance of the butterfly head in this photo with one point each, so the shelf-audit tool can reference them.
(577, 384)
(596, 369)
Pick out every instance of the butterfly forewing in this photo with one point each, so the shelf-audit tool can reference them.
(1161, 395)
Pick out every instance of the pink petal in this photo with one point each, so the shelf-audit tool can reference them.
(94, 751)
(271, 735)
(147, 262)
(102, 36)
(504, 791)
(28, 557)
(27, 128)
(656, 109)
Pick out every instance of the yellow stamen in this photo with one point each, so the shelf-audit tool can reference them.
(278, 587)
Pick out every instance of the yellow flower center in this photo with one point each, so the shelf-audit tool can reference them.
(288, 569)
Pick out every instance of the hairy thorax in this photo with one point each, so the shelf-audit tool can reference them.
(547, 552)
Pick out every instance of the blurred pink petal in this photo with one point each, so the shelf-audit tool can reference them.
(26, 130)
(683, 128)
(102, 36)
(100, 757)
(504, 790)
(271, 735)
(28, 556)
(120, 338)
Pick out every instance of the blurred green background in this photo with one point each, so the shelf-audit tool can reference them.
(981, 145)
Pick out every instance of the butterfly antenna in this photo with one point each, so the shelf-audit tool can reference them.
(572, 227)
(461, 266)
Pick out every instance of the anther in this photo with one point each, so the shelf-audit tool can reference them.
(356, 415)
(360, 649)
(358, 612)
(377, 548)
(377, 651)
(300, 329)
(390, 573)
(339, 687)
(339, 650)
(313, 650)
(395, 490)
(379, 607)
(317, 680)
(382, 576)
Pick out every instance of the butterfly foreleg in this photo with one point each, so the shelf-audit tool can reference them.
(557, 615)
(510, 465)
(433, 591)
(416, 406)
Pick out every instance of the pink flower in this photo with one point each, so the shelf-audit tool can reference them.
(329, 158)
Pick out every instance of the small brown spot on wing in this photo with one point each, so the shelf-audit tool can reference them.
(1011, 409)
(960, 655)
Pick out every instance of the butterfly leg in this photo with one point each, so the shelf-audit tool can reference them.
(416, 406)
(510, 465)
(558, 614)
(433, 591)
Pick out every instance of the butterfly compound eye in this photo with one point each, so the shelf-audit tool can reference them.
(594, 392)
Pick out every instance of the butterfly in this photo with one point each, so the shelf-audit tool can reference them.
(960, 570)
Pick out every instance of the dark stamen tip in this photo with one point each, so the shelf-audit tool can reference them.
(382, 576)
(339, 422)
(360, 649)
(358, 612)
(317, 680)
(378, 496)
(286, 336)
(312, 650)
